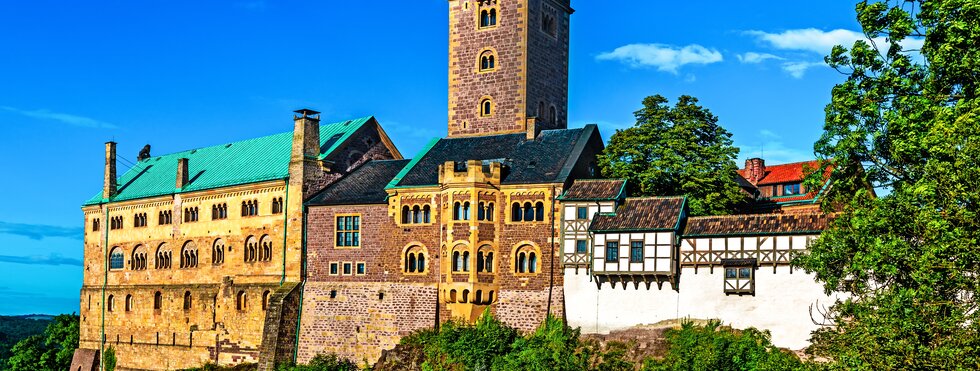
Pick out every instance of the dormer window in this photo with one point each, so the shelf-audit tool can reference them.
(791, 189)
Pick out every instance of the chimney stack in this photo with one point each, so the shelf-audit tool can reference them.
(109, 183)
(182, 173)
(306, 135)
(756, 169)
(531, 124)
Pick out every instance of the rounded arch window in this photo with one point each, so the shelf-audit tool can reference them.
(116, 258)
(486, 107)
(488, 17)
(488, 61)
(164, 257)
(110, 303)
(553, 116)
(251, 249)
(187, 300)
(265, 300)
(265, 248)
(188, 255)
(157, 300)
(415, 259)
(138, 260)
(241, 301)
(485, 259)
(218, 252)
(526, 260)
(461, 259)
(129, 302)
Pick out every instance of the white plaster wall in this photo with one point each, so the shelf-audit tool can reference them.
(781, 303)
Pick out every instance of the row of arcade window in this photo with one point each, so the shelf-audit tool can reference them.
(527, 212)
(241, 301)
(190, 214)
(139, 220)
(256, 249)
(219, 211)
(488, 17)
(415, 260)
(462, 211)
(250, 208)
(348, 268)
(484, 261)
(115, 222)
(416, 214)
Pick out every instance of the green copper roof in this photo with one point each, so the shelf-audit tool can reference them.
(248, 161)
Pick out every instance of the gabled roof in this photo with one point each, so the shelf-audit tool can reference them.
(247, 161)
(549, 158)
(642, 214)
(757, 224)
(595, 190)
(783, 173)
(364, 185)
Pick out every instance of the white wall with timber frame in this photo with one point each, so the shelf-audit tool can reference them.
(657, 258)
(574, 229)
(786, 301)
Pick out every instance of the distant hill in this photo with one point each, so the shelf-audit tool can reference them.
(17, 328)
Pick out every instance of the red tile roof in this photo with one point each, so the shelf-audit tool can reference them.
(783, 173)
(595, 189)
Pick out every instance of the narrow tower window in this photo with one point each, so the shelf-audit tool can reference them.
(486, 107)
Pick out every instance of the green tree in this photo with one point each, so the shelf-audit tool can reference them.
(679, 150)
(713, 347)
(109, 359)
(908, 119)
(51, 351)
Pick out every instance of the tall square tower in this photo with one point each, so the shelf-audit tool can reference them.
(508, 63)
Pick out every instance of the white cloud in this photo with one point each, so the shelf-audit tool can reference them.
(822, 42)
(769, 134)
(66, 118)
(774, 152)
(667, 58)
(753, 57)
(798, 69)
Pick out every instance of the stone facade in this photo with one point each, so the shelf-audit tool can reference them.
(164, 310)
(528, 40)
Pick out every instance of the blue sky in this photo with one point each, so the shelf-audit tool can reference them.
(186, 74)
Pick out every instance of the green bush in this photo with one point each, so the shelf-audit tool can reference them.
(109, 359)
(713, 347)
(322, 362)
(51, 350)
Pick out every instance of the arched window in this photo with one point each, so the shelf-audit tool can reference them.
(405, 215)
(187, 300)
(188, 255)
(251, 250)
(157, 300)
(484, 259)
(466, 211)
(457, 261)
(415, 259)
(410, 263)
(553, 116)
(265, 248)
(490, 212)
(116, 258)
(466, 261)
(528, 212)
(277, 205)
(417, 214)
(138, 260)
(218, 252)
(486, 108)
(493, 17)
(488, 17)
(265, 300)
(129, 302)
(541, 111)
(426, 214)
(488, 61)
(110, 303)
(515, 212)
(163, 257)
(241, 301)
(525, 260)
(457, 211)
(481, 211)
(539, 211)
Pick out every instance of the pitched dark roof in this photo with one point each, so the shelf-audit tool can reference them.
(757, 224)
(548, 158)
(642, 214)
(594, 189)
(364, 185)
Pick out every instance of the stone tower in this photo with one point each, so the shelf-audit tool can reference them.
(508, 66)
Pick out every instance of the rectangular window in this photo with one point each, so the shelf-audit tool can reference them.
(361, 269)
(636, 251)
(334, 269)
(791, 189)
(348, 231)
(347, 269)
(116, 260)
(581, 246)
(739, 277)
(612, 252)
(582, 213)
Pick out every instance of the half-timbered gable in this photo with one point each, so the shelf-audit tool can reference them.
(579, 204)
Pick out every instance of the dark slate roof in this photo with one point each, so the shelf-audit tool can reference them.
(549, 158)
(642, 214)
(595, 189)
(364, 185)
(757, 224)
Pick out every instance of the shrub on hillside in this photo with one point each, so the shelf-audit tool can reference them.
(713, 347)
(322, 362)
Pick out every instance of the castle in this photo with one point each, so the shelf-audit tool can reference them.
(325, 240)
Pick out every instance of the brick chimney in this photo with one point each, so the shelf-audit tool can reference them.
(109, 183)
(755, 169)
(183, 171)
(306, 135)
